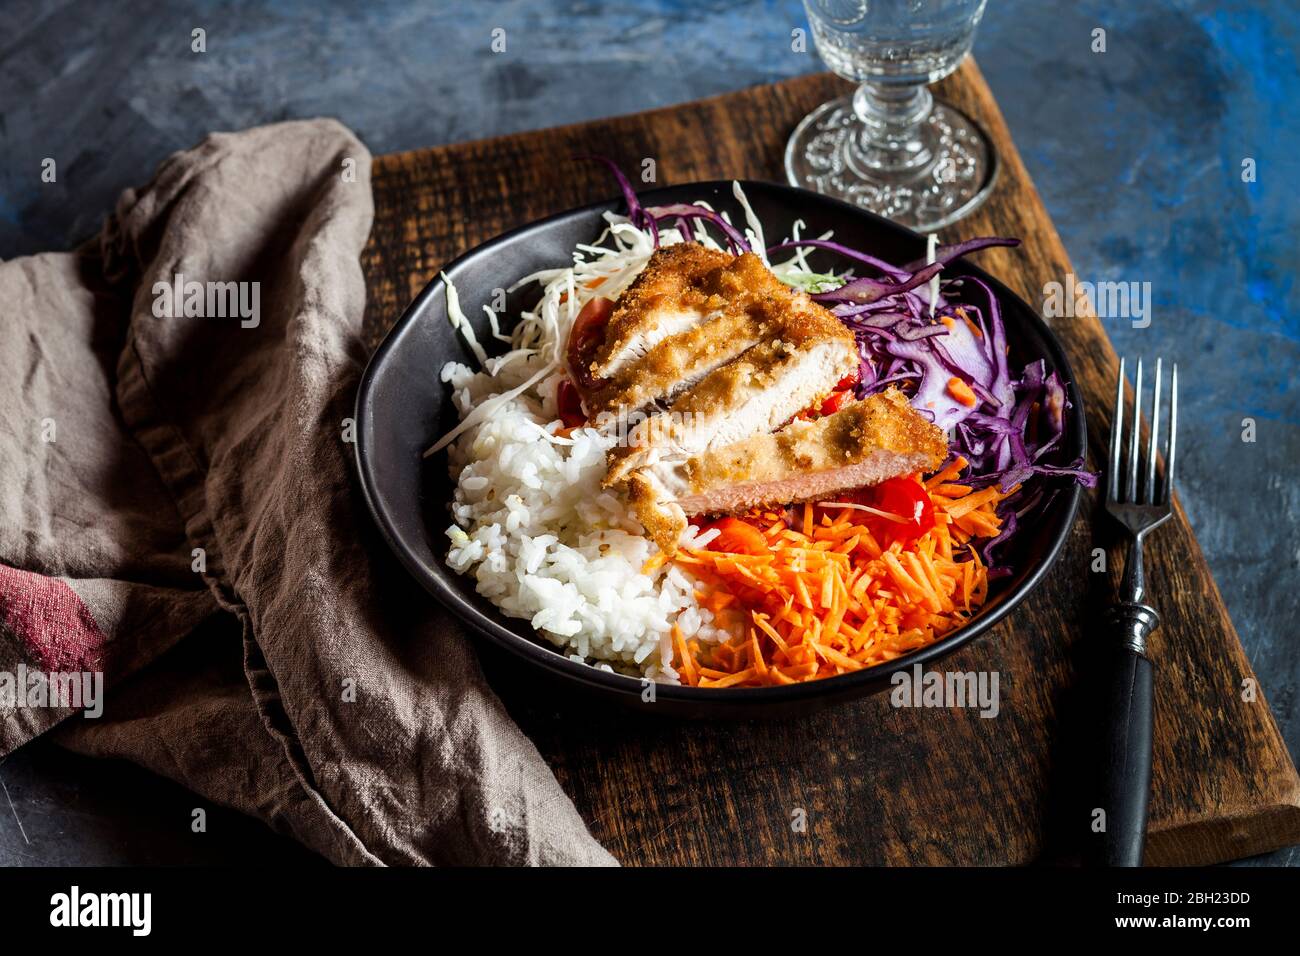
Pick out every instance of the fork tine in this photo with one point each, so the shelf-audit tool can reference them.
(1116, 437)
(1132, 493)
(1149, 495)
(1173, 436)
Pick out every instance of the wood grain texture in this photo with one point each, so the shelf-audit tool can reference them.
(876, 784)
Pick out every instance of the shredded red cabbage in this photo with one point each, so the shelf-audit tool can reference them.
(685, 212)
(650, 217)
(946, 254)
(865, 291)
(881, 264)
(1014, 421)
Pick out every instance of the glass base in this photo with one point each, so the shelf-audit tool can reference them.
(957, 178)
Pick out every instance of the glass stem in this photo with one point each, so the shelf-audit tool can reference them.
(893, 134)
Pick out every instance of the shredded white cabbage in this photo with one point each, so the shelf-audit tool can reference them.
(459, 321)
(538, 338)
(931, 248)
(796, 271)
(755, 231)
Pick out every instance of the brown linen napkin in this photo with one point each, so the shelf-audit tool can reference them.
(179, 471)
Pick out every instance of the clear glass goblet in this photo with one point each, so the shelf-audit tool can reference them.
(889, 147)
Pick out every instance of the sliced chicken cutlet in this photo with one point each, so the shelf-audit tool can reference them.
(669, 296)
(679, 362)
(688, 307)
(863, 443)
(805, 351)
(730, 300)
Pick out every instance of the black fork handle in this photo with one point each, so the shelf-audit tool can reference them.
(1128, 764)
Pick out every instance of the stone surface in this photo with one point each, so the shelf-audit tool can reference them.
(1138, 152)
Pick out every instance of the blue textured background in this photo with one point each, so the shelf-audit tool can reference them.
(1137, 153)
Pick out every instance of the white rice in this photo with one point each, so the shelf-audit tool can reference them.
(544, 542)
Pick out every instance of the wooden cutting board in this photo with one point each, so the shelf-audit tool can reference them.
(867, 783)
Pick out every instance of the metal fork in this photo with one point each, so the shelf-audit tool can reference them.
(1140, 506)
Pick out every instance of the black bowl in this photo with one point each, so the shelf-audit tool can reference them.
(403, 405)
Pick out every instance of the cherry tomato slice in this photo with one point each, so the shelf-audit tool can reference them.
(737, 537)
(905, 497)
(570, 403)
(833, 403)
(585, 340)
(848, 381)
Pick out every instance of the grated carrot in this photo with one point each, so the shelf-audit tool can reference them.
(959, 390)
(830, 597)
(683, 658)
(654, 562)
